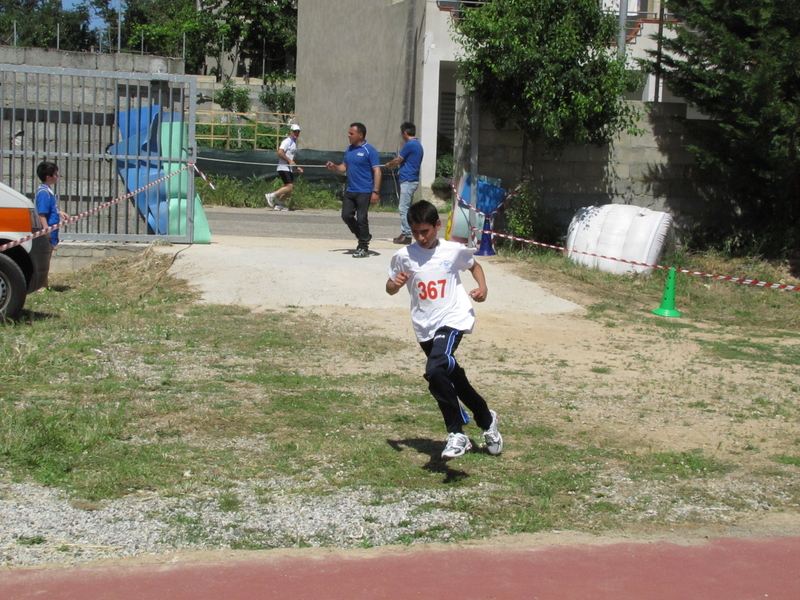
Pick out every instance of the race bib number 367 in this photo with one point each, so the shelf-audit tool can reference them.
(432, 287)
(432, 290)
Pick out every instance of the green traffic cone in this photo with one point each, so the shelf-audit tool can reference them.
(667, 308)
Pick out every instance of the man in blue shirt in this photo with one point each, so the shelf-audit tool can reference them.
(363, 170)
(409, 159)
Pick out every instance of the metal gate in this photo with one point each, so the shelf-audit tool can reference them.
(113, 135)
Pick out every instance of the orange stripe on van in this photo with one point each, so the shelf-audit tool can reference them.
(15, 219)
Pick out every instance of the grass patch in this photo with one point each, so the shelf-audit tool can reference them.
(251, 194)
(120, 382)
(788, 460)
(679, 465)
(750, 351)
(700, 300)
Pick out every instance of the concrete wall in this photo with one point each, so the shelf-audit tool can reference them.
(71, 256)
(351, 66)
(354, 64)
(131, 63)
(653, 170)
(437, 54)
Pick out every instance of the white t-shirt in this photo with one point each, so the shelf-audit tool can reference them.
(438, 299)
(289, 146)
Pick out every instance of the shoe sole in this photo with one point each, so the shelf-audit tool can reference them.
(499, 449)
(500, 443)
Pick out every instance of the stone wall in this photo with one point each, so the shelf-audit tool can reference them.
(652, 170)
(125, 62)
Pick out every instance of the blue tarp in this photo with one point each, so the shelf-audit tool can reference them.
(490, 194)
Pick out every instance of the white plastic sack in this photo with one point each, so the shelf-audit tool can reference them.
(619, 231)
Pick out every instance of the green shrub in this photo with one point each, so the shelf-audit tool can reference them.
(232, 192)
(444, 166)
(441, 188)
(274, 96)
(528, 218)
(232, 98)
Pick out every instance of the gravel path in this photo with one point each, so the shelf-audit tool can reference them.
(41, 525)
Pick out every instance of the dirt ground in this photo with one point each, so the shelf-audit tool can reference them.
(537, 347)
(641, 385)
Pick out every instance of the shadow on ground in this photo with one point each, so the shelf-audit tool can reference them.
(433, 450)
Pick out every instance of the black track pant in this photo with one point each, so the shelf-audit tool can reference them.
(355, 214)
(448, 382)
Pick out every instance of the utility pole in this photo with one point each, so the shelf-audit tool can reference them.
(411, 56)
(119, 26)
(623, 27)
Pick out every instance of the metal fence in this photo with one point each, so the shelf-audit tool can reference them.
(227, 130)
(110, 134)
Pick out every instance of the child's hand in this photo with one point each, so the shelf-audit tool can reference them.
(395, 285)
(479, 294)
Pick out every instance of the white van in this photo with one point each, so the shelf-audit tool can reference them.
(23, 268)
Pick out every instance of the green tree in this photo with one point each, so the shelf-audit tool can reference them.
(738, 62)
(45, 24)
(274, 96)
(232, 98)
(219, 29)
(548, 66)
(167, 27)
(254, 28)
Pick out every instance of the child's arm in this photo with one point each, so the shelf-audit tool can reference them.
(394, 285)
(479, 293)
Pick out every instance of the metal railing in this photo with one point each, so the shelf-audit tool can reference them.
(241, 131)
(109, 133)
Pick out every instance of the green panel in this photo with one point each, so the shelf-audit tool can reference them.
(177, 220)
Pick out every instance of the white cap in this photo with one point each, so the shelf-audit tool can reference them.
(294, 127)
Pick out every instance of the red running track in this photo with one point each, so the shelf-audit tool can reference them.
(718, 569)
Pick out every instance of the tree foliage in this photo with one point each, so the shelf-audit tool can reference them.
(168, 27)
(738, 62)
(274, 94)
(248, 28)
(548, 66)
(233, 98)
(44, 23)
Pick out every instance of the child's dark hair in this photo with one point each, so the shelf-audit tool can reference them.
(423, 212)
(45, 170)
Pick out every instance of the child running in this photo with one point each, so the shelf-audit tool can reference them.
(441, 313)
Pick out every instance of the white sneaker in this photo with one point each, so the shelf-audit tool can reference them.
(457, 445)
(280, 206)
(494, 441)
(270, 199)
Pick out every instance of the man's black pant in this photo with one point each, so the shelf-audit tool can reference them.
(355, 213)
(448, 382)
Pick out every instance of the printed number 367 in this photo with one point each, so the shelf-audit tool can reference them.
(430, 291)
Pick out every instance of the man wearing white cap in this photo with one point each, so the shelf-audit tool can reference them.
(286, 153)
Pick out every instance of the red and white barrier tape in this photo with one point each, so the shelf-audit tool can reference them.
(742, 280)
(92, 211)
(203, 175)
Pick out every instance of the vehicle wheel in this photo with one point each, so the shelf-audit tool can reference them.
(13, 288)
